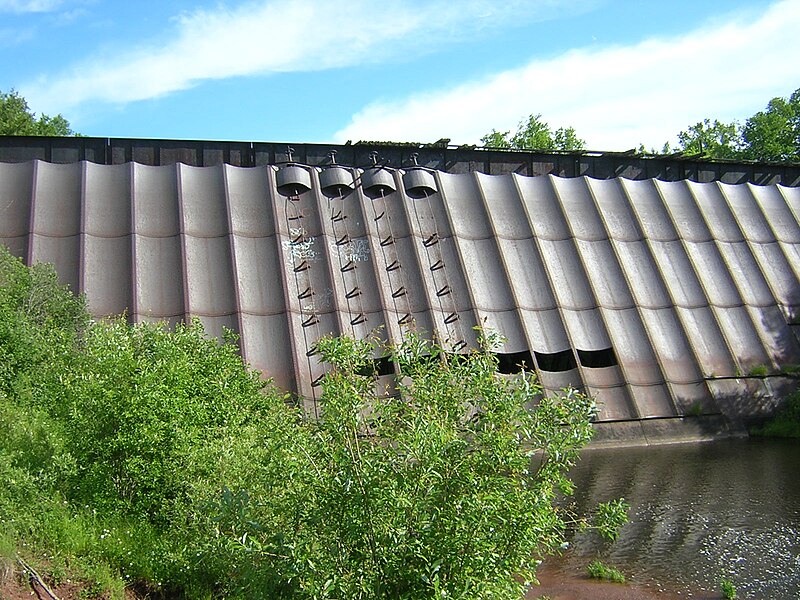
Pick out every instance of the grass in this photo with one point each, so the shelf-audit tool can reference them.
(786, 423)
(597, 570)
(728, 589)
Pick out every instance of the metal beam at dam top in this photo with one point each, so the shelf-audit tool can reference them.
(439, 156)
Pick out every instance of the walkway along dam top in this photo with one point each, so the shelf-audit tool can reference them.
(664, 300)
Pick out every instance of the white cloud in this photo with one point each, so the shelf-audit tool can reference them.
(29, 6)
(615, 97)
(273, 36)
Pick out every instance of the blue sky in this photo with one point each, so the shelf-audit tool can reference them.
(620, 71)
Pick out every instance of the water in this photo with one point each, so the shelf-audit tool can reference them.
(699, 512)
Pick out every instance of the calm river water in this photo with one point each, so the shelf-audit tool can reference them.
(699, 512)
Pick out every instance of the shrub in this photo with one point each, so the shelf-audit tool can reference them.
(425, 494)
(155, 456)
(728, 589)
(597, 570)
(786, 423)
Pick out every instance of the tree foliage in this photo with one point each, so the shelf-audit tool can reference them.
(769, 135)
(157, 454)
(16, 118)
(534, 133)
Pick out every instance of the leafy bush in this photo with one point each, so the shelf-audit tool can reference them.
(141, 454)
(728, 589)
(425, 494)
(786, 423)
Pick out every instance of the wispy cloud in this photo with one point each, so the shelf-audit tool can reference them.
(273, 36)
(29, 6)
(615, 97)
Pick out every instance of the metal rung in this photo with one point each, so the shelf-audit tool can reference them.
(348, 267)
(343, 240)
(361, 318)
(380, 216)
(356, 291)
(401, 291)
(294, 198)
(405, 319)
(312, 320)
(394, 266)
(338, 217)
(312, 351)
(443, 291)
(451, 318)
(318, 381)
(459, 346)
(430, 241)
(303, 266)
(296, 217)
(388, 241)
(306, 293)
(439, 264)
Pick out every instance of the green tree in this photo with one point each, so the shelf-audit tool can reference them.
(774, 133)
(16, 118)
(713, 139)
(534, 133)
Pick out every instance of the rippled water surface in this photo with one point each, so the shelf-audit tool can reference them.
(699, 512)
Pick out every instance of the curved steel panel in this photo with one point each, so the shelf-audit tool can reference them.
(605, 276)
(747, 213)
(16, 192)
(652, 214)
(632, 347)
(586, 329)
(567, 275)
(155, 200)
(209, 276)
(249, 205)
(526, 274)
(502, 204)
(778, 214)
(713, 273)
(545, 330)
(488, 279)
(579, 209)
(202, 201)
(159, 277)
(704, 335)
(672, 349)
(259, 278)
(684, 211)
(56, 209)
(615, 209)
(646, 283)
(778, 272)
(746, 274)
(652, 401)
(543, 208)
(716, 212)
(266, 346)
(678, 274)
(107, 274)
(63, 251)
(741, 335)
(107, 200)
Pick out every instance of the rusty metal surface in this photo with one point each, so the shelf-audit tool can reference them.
(674, 281)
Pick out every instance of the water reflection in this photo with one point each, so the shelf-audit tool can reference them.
(699, 512)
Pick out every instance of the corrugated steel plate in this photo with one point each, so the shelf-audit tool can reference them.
(680, 280)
